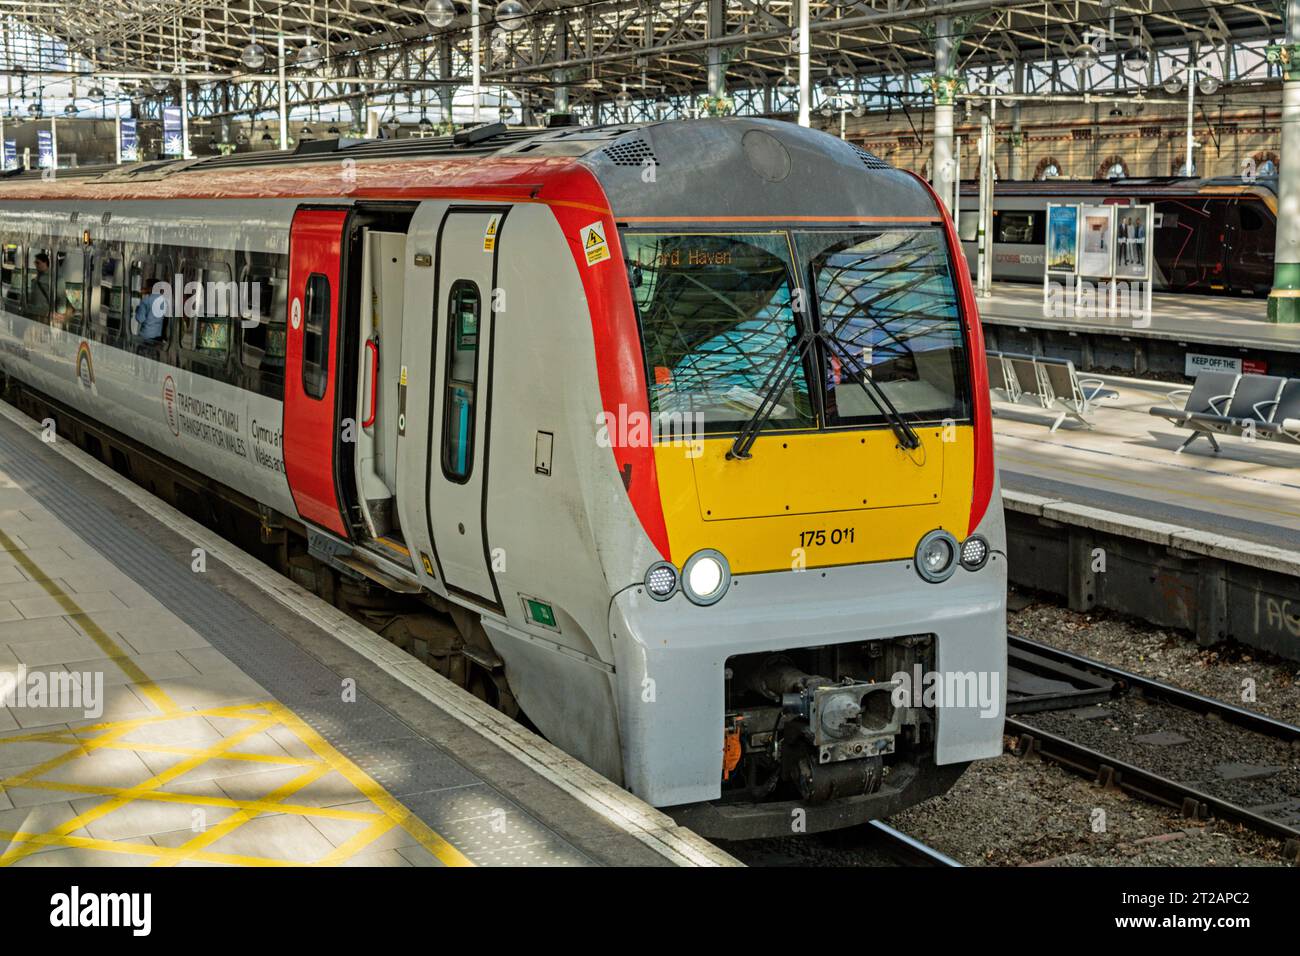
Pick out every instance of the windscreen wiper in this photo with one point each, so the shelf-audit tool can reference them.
(777, 381)
(907, 436)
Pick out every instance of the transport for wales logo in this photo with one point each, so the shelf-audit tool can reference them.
(169, 405)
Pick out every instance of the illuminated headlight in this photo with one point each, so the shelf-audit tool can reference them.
(705, 577)
(661, 581)
(974, 553)
(936, 556)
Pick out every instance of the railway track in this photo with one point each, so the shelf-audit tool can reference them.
(1207, 758)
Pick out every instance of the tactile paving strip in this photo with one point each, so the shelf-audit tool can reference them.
(485, 825)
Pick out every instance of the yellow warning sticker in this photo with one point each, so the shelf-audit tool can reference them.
(428, 565)
(490, 234)
(402, 378)
(594, 245)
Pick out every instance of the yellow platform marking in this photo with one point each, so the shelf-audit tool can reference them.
(383, 814)
(83, 742)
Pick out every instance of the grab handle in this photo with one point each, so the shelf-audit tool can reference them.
(373, 349)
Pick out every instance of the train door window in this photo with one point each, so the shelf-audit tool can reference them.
(11, 279)
(211, 300)
(317, 314)
(461, 390)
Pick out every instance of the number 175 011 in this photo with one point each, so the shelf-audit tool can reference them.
(815, 539)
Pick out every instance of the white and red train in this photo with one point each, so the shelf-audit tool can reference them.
(684, 424)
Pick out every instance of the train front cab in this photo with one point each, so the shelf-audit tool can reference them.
(793, 692)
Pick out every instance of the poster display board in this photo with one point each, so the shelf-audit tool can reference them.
(1097, 241)
(1062, 239)
(11, 154)
(173, 144)
(130, 141)
(44, 148)
(1133, 236)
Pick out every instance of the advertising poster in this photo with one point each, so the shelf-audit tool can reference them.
(1133, 242)
(172, 135)
(1096, 241)
(11, 154)
(130, 142)
(1062, 239)
(44, 148)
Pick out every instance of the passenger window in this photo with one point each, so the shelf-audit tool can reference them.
(42, 285)
(11, 282)
(316, 335)
(205, 321)
(461, 391)
(111, 292)
(150, 309)
(1015, 227)
(1251, 221)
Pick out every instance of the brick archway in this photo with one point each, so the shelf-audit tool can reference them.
(1104, 171)
(1046, 163)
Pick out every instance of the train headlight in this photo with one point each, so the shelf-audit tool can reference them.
(974, 553)
(705, 577)
(661, 580)
(936, 556)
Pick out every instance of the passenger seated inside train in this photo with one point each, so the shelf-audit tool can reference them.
(149, 314)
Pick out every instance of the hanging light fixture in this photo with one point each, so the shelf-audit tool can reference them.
(1137, 60)
(306, 133)
(309, 55)
(266, 133)
(1084, 56)
(787, 86)
(663, 106)
(333, 131)
(160, 83)
(425, 125)
(254, 56)
(1173, 83)
(439, 13)
(623, 100)
(69, 110)
(1208, 83)
(510, 14)
(34, 109)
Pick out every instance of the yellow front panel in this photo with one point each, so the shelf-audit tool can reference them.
(803, 503)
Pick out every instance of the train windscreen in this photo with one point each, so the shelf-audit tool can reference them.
(887, 309)
(721, 317)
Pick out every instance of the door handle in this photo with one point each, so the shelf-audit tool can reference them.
(373, 349)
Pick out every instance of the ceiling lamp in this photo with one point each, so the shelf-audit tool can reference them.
(266, 133)
(623, 100)
(786, 86)
(34, 109)
(440, 13)
(160, 83)
(96, 93)
(254, 56)
(309, 56)
(69, 110)
(510, 14)
(393, 125)
(332, 131)
(663, 106)
(425, 125)
(1173, 84)
(1208, 83)
(306, 133)
(1084, 57)
(1137, 60)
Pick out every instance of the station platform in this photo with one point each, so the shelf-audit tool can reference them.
(169, 701)
(1234, 327)
(1126, 464)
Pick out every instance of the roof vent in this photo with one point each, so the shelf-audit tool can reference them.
(870, 160)
(633, 152)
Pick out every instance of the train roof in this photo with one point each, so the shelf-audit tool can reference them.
(736, 167)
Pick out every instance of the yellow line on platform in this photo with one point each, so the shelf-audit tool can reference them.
(110, 647)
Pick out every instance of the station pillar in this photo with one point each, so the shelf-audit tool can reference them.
(943, 85)
(1284, 300)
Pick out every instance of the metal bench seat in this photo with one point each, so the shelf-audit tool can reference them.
(1050, 383)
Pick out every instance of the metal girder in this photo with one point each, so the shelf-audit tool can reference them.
(596, 47)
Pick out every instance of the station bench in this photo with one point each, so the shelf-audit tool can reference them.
(1050, 383)
(1225, 403)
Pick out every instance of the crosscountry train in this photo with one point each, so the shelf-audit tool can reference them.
(1213, 236)
(681, 430)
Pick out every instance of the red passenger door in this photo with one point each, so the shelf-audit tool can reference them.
(311, 372)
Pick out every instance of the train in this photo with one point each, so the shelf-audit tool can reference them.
(671, 439)
(1212, 236)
